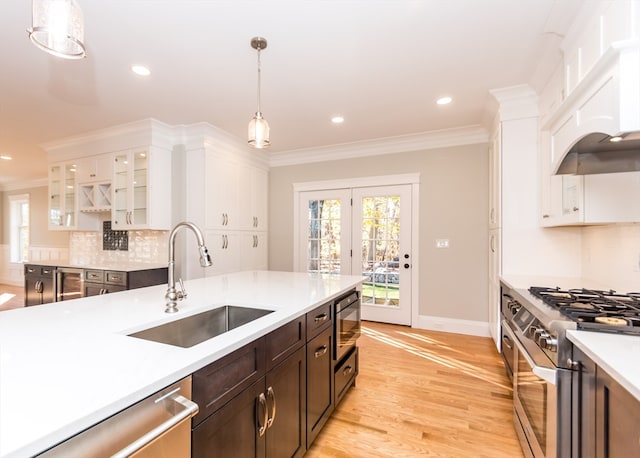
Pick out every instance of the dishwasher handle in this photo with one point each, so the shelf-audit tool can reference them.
(190, 409)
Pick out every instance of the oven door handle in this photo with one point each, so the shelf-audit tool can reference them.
(548, 374)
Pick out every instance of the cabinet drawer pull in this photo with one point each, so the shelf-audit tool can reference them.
(321, 318)
(320, 351)
(262, 404)
(507, 342)
(271, 395)
(347, 370)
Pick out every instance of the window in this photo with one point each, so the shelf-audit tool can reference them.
(19, 231)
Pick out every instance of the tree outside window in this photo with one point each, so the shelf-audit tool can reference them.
(19, 227)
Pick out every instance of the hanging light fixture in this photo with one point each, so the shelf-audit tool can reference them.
(258, 126)
(58, 28)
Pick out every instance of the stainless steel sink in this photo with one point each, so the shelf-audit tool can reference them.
(194, 329)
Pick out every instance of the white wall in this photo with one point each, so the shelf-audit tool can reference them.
(611, 256)
(453, 205)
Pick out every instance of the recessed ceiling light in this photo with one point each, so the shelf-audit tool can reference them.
(140, 70)
(5, 157)
(444, 100)
(337, 119)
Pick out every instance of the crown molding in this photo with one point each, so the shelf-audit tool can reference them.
(388, 145)
(516, 102)
(144, 132)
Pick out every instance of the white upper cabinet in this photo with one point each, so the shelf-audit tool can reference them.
(494, 180)
(64, 209)
(597, 91)
(95, 169)
(141, 189)
(124, 171)
(62, 196)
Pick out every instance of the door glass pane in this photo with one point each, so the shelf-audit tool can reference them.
(140, 188)
(69, 195)
(380, 250)
(323, 251)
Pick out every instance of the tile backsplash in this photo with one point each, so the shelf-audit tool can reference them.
(86, 248)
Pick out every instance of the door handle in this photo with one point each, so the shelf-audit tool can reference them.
(262, 403)
(320, 351)
(271, 395)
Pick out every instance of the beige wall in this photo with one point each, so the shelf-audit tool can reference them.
(38, 206)
(453, 205)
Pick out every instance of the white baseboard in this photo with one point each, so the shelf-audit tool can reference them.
(468, 327)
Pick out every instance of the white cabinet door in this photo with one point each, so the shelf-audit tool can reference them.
(62, 196)
(141, 190)
(222, 188)
(95, 168)
(225, 249)
(254, 251)
(494, 286)
(494, 180)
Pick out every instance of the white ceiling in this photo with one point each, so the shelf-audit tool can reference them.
(379, 63)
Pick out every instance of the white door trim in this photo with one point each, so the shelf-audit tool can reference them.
(385, 180)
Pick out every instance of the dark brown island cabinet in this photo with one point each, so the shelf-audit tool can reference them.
(46, 284)
(605, 416)
(271, 397)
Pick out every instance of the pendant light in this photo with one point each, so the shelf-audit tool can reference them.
(58, 28)
(258, 126)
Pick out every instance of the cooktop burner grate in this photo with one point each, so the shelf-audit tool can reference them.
(594, 310)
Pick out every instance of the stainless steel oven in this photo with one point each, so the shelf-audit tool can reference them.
(539, 391)
(347, 324)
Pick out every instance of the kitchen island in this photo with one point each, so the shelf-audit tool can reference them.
(67, 366)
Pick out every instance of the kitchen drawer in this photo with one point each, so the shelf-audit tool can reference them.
(43, 271)
(216, 384)
(284, 341)
(114, 277)
(345, 374)
(318, 319)
(94, 276)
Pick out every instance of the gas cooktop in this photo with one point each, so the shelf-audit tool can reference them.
(594, 310)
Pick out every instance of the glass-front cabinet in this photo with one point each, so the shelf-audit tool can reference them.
(141, 189)
(130, 187)
(62, 196)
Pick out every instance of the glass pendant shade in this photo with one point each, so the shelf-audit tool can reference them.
(58, 28)
(259, 132)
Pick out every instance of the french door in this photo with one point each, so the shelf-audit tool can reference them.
(363, 231)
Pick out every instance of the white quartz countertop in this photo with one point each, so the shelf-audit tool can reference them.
(68, 365)
(617, 354)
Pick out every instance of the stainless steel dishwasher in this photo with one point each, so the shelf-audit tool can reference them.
(158, 426)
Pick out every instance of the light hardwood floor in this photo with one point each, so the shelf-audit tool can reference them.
(423, 393)
(6, 301)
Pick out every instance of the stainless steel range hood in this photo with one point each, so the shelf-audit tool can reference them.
(601, 153)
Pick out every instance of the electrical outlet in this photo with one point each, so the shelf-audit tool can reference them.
(442, 243)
